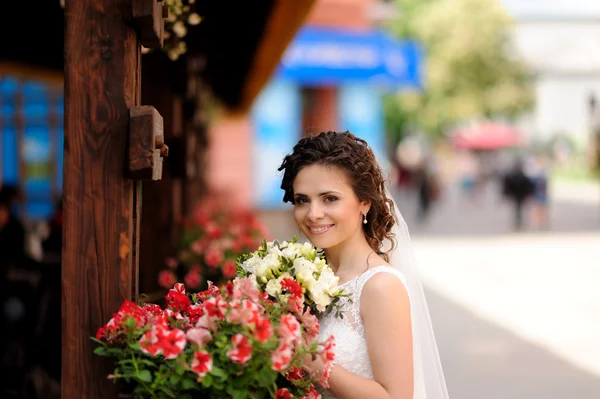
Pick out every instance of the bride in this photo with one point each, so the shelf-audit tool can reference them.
(385, 346)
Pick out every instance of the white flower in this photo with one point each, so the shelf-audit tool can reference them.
(179, 29)
(194, 19)
(328, 281)
(274, 287)
(290, 252)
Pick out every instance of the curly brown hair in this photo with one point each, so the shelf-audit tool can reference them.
(353, 155)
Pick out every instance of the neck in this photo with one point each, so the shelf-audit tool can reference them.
(350, 256)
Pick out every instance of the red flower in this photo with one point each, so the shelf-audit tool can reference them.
(229, 269)
(213, 257)
(241, 351)
(166, 279)
(177, 301)
(292, 287)
(215, 308)
(283, 393)
(162, 340)
(193, 278)
(263, 330)
(312, 394)
(202, 363)
(172, 343)
(294, 374)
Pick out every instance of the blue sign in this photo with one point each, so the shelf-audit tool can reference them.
(360, 112)
(277, 121)
(319, 56)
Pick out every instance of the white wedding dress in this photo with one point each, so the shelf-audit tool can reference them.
(349, 332)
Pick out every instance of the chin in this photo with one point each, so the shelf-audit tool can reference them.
(324, 242)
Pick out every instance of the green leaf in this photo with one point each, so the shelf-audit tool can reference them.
(188, 384)
(218, 372)
(145, 375)
(179, 369)
(174, 379)
(135, 346)
(100, 351)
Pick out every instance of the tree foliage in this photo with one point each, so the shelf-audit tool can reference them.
(470, 70)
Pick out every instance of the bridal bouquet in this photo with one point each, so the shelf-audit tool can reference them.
(232, 341)
(280, 268)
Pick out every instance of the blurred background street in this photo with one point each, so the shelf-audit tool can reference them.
(516, 314)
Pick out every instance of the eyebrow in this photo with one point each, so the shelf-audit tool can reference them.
(320, 194)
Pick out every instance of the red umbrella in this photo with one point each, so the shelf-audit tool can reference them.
(487, 136)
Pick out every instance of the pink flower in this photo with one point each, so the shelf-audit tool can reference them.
(283, 393)
(311, 325)
(312, 394)
(171, 263)
(213, 230)
(229, 269)
(281, 357)
(241, 351)
(199, 336)
(245, 287)
(202, 363)
(166, 279)
(197, 247)
(289, 329)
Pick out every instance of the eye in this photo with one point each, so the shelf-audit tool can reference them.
(330, 198)
(300, 201)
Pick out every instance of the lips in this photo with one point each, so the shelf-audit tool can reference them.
(320, 229)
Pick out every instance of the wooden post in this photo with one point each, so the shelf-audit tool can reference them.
(101, 205)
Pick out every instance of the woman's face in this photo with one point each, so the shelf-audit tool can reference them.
(325, 206)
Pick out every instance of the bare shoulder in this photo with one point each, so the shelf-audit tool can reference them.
(385, 285)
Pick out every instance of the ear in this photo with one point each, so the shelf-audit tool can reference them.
(365, 207)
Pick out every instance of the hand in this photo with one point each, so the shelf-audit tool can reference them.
(313, 365)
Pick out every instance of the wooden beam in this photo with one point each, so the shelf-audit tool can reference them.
(101, 206)
(283, 24)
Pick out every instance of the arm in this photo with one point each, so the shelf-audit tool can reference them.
(385, 310)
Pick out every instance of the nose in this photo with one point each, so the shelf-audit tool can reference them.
(315, 212)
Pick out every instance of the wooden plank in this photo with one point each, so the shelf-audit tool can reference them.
(101, 206)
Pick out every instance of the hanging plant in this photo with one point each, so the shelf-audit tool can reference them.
(182, 15)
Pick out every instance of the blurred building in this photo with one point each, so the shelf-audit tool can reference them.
(331, 77)
(559, 39)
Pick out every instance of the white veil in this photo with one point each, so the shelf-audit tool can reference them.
(429, 382)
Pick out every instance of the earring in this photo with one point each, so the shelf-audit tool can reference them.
(364, 218)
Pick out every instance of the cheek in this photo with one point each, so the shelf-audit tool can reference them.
(299, 215)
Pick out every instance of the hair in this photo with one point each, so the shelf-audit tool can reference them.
(352, 155)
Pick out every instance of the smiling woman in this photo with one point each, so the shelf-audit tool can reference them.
(384, 342)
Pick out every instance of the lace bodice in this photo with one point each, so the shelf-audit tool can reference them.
(349, 332)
